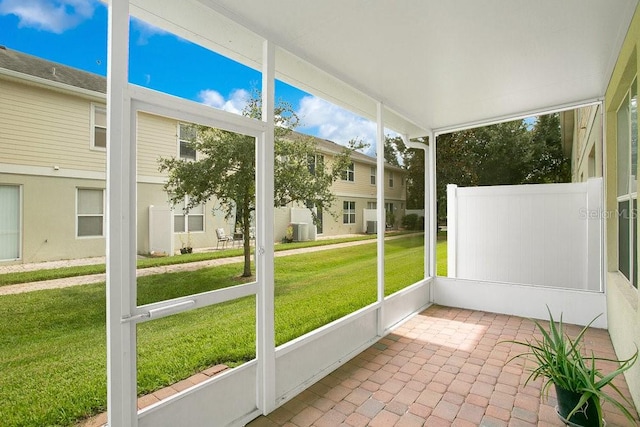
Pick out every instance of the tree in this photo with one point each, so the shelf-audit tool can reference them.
(547, 162)
(455, 164)
(394, 149)
(502, 154)
(499, 152)
(226, 168)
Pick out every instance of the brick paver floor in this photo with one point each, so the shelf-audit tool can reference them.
(444, 367)
(100, 420)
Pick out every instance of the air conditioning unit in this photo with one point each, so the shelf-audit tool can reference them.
(299, 231)
(372, 227)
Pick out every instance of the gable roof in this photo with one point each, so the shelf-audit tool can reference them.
(30, 65)
(37, 67)
(332, 148)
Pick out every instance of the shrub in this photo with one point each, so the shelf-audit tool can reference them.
(413, 222)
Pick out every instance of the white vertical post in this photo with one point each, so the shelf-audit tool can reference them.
(433, 207)
(594, 220)
(603, 203)
(381, 214)
(427, 214)
(121, 226)
(265, 321)
(452, 232)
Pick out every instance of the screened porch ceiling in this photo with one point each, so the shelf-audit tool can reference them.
(435, 65)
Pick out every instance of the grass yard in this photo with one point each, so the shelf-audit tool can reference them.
(59, 273)
(441, 254)
(52, 343)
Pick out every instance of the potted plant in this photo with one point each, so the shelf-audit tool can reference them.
(391, 220)
(186, 248)
(288, 237)
(563, 362)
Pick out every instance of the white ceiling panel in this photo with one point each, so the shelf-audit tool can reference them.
(434, 64)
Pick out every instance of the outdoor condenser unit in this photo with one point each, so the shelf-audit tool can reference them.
(299, 231)
(372, 227)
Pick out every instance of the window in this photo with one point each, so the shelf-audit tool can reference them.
(349, 173)
(190, 221)
(388, 207)
(99, 126)
(348, 212)
(316, 163)
(373, 176)
(90, 212)
(10, 237)
(186, 137)
(627, 197)
(372, 205)
(390, 179)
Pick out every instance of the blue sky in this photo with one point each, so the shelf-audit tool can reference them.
(74, 33)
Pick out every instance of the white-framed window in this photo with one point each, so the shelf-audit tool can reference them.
(390, 179)
(90, 212)
(10, 222)
(348, 212)
(186, 136)
(98, 127)
(627, 194)
(389, 208)
(316, 162)
(374, 172)
(349, 174)
(372, 205)
(189, 221)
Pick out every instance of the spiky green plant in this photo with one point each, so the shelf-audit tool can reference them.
(562, 361)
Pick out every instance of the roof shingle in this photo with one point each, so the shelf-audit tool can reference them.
(38, 67)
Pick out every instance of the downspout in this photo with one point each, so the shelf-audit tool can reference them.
(429, 200)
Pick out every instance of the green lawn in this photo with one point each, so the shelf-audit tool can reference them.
(59, 273)
(52, 343)
(441, 254)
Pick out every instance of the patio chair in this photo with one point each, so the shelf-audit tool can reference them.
(252, 234)
(238, 236)
(222, 238)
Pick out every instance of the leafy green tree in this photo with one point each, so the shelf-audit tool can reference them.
(455, 164)
(394, 149)
(547, 162)
(225, 171)
(506, 153)
(499, 152)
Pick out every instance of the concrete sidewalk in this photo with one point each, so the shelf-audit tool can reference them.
(97, 278)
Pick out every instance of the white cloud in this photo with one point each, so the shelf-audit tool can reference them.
(234, 104)
(336, 124)
(55, 16)
(145, 31)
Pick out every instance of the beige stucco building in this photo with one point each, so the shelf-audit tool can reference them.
(582, 141)
(621, 154)
(53, 171)
(603, 141)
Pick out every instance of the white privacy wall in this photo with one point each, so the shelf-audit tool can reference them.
(544, 234)
(161, 230)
